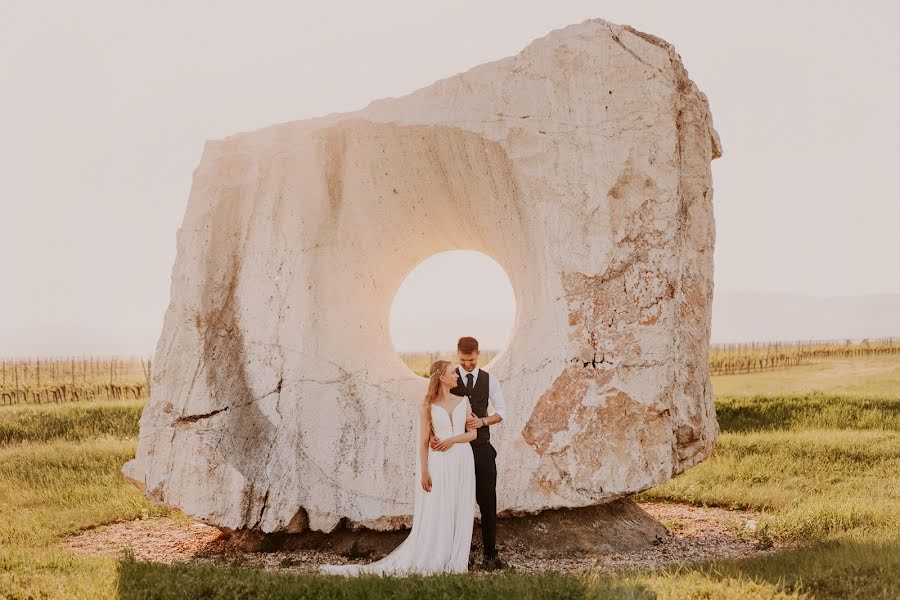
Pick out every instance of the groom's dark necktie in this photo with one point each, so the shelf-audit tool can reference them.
(470, 385)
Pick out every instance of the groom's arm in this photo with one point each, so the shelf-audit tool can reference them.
(496, 399)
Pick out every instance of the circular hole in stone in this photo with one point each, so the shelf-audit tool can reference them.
(447, 296)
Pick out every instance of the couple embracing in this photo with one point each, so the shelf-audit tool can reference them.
(456, 467)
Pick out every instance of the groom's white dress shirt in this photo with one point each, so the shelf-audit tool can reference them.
(495, 395)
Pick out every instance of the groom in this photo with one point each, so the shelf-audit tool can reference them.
(480, 387)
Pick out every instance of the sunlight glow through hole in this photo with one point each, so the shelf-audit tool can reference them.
(452, 294)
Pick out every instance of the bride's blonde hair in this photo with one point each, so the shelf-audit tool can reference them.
(434, 386)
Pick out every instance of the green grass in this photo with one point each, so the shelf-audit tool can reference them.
(824, 466)
(48, 490)
(70, 421)
(814, 410)
(141, 580)
(812, 484)
(872, 377)
(829, 570)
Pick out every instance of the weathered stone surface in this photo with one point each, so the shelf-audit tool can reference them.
(581, 165)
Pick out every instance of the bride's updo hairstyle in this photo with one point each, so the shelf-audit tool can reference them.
(434, 385)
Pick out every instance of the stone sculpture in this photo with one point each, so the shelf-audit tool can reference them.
(581, 165)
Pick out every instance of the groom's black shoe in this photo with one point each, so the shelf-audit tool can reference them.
(493, 563)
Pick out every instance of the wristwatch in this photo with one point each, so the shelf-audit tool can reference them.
(484, 421)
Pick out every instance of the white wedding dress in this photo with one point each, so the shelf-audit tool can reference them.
(442, 518)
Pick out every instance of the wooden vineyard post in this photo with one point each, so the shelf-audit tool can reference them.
(147, 372)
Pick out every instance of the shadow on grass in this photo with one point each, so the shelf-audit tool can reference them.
(138, 579)
(814, 410)
(832, 569)
(836, 569)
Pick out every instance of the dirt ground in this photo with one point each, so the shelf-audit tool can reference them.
(692, 534)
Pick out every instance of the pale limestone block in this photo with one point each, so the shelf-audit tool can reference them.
(581, 165)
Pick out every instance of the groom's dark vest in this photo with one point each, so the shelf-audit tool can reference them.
(479, 400)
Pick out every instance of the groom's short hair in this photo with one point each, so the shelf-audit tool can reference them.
(467, 345)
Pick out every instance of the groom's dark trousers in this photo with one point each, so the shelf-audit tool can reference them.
(485, 460)
(486, 494)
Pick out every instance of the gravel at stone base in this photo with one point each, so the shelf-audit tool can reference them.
(697, 534)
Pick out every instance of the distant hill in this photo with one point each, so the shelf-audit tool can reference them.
(760, 317)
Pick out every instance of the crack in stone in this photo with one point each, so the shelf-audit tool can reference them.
(637, 57)
(262, 509)
(193, 418)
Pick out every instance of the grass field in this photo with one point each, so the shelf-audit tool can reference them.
(816, 447)
(875, 377)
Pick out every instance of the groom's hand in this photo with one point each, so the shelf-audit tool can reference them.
(473, 422)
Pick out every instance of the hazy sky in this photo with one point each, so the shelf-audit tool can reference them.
(416, 325)
(105, 108)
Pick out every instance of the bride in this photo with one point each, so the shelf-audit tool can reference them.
(444, 509)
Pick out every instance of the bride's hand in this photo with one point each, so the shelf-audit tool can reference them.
(426, 482)
(443, 445)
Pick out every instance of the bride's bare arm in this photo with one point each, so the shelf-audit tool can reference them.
(424, 436)
(470, 434)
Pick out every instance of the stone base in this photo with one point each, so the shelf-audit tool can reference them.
(611, 528)
(616, 527)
